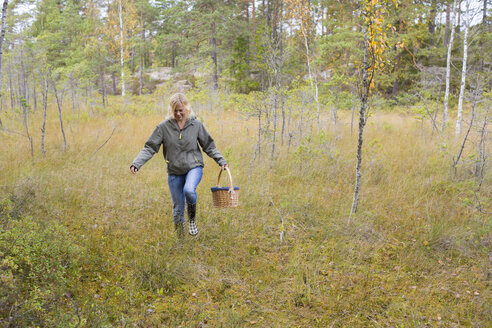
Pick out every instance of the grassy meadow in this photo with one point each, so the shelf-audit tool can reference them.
(84, 243)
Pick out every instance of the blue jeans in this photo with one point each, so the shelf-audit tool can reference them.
(183, 188)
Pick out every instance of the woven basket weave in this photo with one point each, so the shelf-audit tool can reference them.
(225, 196)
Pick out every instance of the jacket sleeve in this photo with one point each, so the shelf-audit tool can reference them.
(150, 148)
(208, 146)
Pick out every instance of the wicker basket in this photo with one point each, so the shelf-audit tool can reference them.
(225, 196)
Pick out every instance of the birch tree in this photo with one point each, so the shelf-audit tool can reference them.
(448, 65)
(2, 37)
(121, 23)
(300, 10)
(373, 12)
(463, 70)
(122, 50)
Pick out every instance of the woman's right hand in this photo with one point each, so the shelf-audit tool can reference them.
(133, 169)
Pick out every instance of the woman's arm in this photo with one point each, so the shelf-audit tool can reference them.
(208, 145)
(150, 148)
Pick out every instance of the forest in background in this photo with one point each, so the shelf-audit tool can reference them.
(94, 48)
(289, 90)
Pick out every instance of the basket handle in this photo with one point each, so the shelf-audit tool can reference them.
(230, 178)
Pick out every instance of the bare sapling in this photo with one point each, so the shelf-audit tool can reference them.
(431, 117)
(482, 150)
(483, 156)
(275, 100)
(282, 105)
(53, 85)
(25, 113)
(23, 100)
(366, 82)
(475, 98)
(313, 79)
(258, 107)
(44, 93)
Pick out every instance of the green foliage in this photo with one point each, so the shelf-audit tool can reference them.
(240, 67)
(37, 268)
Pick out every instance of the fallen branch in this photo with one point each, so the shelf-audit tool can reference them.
(13, 132)
(105, 141)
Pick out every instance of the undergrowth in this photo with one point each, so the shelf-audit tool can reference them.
(83, 243)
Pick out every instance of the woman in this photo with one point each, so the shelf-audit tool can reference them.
(180, 134)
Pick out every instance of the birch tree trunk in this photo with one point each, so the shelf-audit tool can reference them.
(362, 123)
(122, 62)
(312, 77)
(463, 72)
(2, 36)
(446, 30)
(448, 68)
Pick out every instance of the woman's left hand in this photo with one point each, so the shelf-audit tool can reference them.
(224, 166)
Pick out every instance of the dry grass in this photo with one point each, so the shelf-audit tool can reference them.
(416, 254)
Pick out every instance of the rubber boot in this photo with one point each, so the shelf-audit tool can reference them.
(192, 227)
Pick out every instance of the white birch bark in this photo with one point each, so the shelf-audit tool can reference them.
(463, 72)
(312, 77)
(121, 51)
(448, 67)
(2, 35)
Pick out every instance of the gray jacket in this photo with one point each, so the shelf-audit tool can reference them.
(179, 147)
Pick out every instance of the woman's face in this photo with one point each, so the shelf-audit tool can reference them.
(179, 113)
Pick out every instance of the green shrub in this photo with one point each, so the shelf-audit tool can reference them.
(37, 264)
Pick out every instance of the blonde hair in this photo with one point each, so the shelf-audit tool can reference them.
(179, 99)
